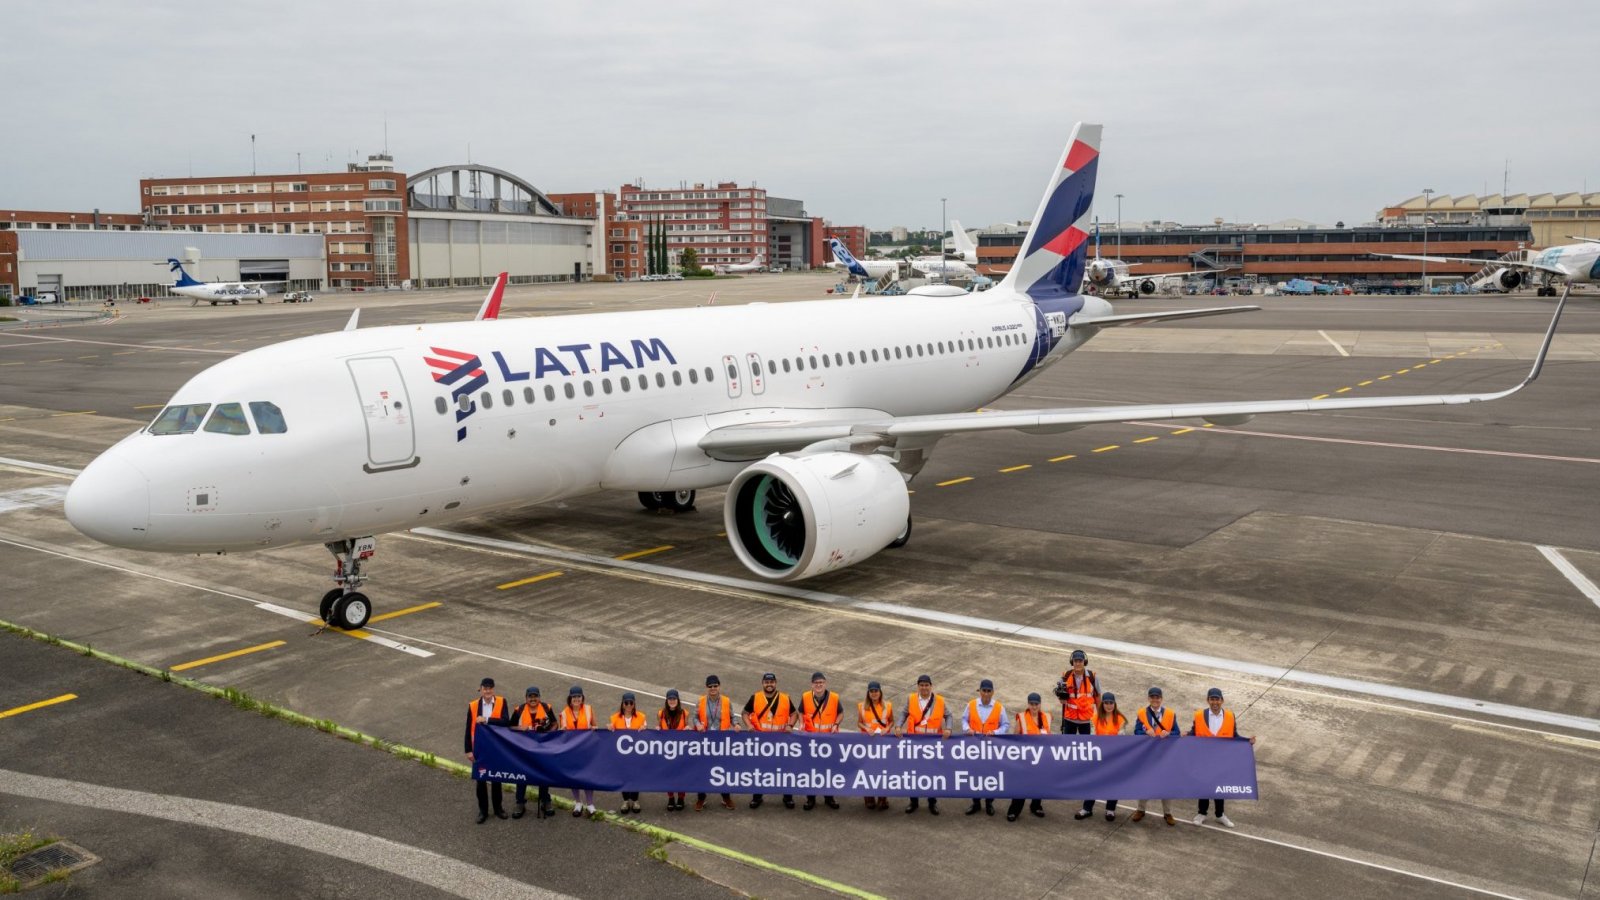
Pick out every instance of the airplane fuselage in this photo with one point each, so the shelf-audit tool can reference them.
(220, 291)
(1580, 261)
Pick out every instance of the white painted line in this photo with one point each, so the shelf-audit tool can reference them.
(41, 497)
(41, 337)
(38, 467)
(1230, 832)
(1066, 638)
(1336, 345)
(1578, 579)
(1386, 444)
(259, 604)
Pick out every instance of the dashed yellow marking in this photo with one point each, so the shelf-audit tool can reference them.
(1402, 371)
(1434, 360)
(1321, 396)
(149, 406)
(19, 710)
(123, 352)
(1183, 431)
(13, 364)
(222, 656)
(1017, 468)
(1209, 425)
(1343, 390)
(1385, 377)
(1146, 440)
(57, 359)
(1364, 383)
(404, 612)
(1063, 458)
(638, 553)
(954, 481)
(1104, 449)
(85, 412)
(90, 356)
(511, 584)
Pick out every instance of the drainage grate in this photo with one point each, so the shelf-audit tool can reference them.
(41, 862)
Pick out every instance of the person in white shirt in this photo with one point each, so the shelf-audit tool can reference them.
(985, 715)
(1216, 722)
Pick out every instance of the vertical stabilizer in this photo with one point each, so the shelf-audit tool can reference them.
(1052, 260)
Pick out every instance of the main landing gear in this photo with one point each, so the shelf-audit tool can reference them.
(904, 537)
(345, 606)
(674, 501)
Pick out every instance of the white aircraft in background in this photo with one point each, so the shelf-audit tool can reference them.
(216, 291)
(1113, 277)
(756, 264)
(1567, 263)
(964, 247)
(815, 414)
(871, 269)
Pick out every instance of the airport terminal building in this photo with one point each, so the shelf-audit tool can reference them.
(121, 265)
(469, 222)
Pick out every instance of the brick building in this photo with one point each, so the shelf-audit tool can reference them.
(853, 237)
(621, 254)
(360, 212)
(725, 224)
(25, 219)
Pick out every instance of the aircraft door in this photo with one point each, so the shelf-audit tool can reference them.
(386, 409)
(730, 368)
(758, 381)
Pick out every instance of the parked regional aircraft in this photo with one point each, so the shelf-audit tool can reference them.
(756, 264)
(1567, 263)
(861, 268)
(1111, 277)
(815, 414)
(216, 291)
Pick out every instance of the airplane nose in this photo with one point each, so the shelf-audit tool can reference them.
(110, 502)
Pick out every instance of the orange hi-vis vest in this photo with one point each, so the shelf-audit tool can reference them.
(775, 716)
(1082, 695)
(1113, 725)
(683, 720)
(825, 718)
(983, 726)
(582, 719)
(527, 718)
(930, 720)
(1202, 729)
(1161, 729)
(875, 719)
(1033, 723)
(499, 711)
(623, 723)
(725, 717)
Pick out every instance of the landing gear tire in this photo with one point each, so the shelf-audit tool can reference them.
(328, 600)
(213, 303)
(351, 611)
(650, 500)
(677, 501)
(904, 538)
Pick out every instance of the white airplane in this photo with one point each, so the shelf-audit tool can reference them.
(756, 264)
(942, 267)
(216, 291)
(816, 415)
(965, 248)
(1112, 276)
(1567, 263)
(872, 269)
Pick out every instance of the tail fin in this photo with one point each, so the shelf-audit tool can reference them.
(845, 259)
(1055, 254)
(183, 277)
(963, 242)
(491, 303)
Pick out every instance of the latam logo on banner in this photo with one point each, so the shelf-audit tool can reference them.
(1043, 766)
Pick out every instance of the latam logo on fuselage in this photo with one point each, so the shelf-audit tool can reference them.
(464, 373)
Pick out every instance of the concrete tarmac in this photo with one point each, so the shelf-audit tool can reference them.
(1396, 549)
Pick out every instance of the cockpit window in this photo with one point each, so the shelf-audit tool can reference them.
(181, 419)
(269, 419)
(228, 419)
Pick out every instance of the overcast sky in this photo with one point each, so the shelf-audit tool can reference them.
(869, 112)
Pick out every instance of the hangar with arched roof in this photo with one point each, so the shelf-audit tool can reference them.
(470, 222)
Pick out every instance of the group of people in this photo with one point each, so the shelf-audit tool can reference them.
(1085, 709)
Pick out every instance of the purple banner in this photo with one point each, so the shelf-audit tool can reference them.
(1038, 766)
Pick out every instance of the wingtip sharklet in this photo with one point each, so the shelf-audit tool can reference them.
(491, 303)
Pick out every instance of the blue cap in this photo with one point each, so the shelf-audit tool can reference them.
(874, 686)
(1079, 654)
(818, 676)
(769, 677)
(1214, 692)
(672, 694)
(629, 698)
(712, 679)
(1108, 696)
(532, 692)
(1033, 698)
(575, 691)
(1153, 692)
(986, 685)
(924, 679)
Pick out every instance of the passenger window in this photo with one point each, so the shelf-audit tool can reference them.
(588, 388)
(755, 370)
(486, 400)
(677, 378)
(228, 419)
(825, 362)
(852, 357)
(772, 367)
(644, 382)
(694, 376)
(734, 373)
(567, 388)
(661, 380)
(919, 349)
(838, 359)
(527, 394)
(813, 362)
(508, 397)
(464, 403)
(550, 393)
(897, 353)
(625, 383)
(180, 419)
(442, 405)
(940, 345)
(874, 354)
(786, 364)
(269, 419)
(710, 375)
(605, 385)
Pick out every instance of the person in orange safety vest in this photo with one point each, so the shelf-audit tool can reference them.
(628, 718)
(1107, 720)
(1158, 722)
(578, 715)
(1216, 722)
(674, 717)
(925, 714)
(875, 715)
(1032, 721)
(769, 709)
(488, 708)
(1079, 691)
(719, 718)
(985, 715)
(537, 716)
(819, 714)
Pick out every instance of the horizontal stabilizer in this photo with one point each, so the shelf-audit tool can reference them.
(1143, 317)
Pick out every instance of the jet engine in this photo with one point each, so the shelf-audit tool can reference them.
(793, 517)
(1507, 279)
(1101, 273)
(1147, 286)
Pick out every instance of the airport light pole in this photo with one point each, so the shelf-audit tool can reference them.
(1427, 198)
(1119, 226)
(944, 225)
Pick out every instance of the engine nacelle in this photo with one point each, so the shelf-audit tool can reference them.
(1508, 279)
(1147, 286)
(793, 517)
(1101, 274)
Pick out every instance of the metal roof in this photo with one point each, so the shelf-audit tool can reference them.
(159, 245)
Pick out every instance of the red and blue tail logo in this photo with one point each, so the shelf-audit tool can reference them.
(1053, 260)
(463, 374)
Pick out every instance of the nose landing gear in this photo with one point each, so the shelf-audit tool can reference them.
(345, 606)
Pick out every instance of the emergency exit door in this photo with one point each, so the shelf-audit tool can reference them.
(386, 410)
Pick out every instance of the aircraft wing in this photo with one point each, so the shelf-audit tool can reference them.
(755, 440)
(1508, 264)
(1140, 318)
(1586, 240)
(1122, 278)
